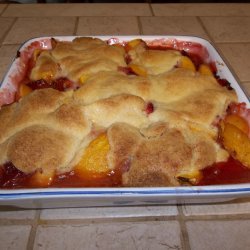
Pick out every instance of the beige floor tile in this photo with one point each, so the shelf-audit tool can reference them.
(26, 28)
(246, 88)
(237, 55)
(223, 235)
(16, 214)
(14, 237)
(109, 212)
(33, 10)
(228, 29)
(241, 206)
(5, 24)
(201, 9)
(7, 53)
(128, 235)
(108, 26)
(172, 26)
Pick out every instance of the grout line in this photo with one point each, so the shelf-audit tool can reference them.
(233, 42)
(195, 15)
(106, 220)
(7, 5)
(151, 9)
(205, 29)
(32, 236)
(227, 217)
(181, 217)
(16, 222)
(11, 44)
(9, 29)
(183, 228)
(226, 16)
(76, 26)
(139, 25)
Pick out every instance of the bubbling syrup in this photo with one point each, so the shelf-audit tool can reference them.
(229, 172)
(12, 178)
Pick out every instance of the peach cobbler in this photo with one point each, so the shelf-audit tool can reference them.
(92, 114)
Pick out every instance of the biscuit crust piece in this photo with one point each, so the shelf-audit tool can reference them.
(78, 59)
(158, 155)
(43, 130)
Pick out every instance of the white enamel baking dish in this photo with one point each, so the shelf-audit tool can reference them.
(83, 197)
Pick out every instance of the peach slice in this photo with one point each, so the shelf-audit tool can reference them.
(236, 142)
(187, 63)
(205, 70)
(238, 122)
(134, 43)
(42, 178)
(93, 163)
(138, 70)
(24, 90)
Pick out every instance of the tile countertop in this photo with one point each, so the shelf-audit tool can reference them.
(212, 226)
